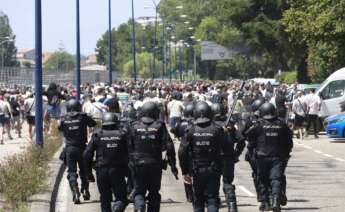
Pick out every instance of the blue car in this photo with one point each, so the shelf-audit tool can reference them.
(336, 126)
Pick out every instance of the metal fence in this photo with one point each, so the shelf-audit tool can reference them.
(9, 76)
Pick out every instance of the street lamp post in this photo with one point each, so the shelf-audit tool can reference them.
(133, 45)
(155, 39)
(163, 53)
(38, 74)
(110, 80)
(78, 50)
(180, 62)
(169, 52)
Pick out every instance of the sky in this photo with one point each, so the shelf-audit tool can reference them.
(58, 21)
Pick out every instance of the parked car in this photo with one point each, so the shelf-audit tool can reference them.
(332, 93)
(335, 126)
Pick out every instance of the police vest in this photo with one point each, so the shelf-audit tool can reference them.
(269, 141)
(74, 129)
(205, 147)
(111, 148)
(147, 143)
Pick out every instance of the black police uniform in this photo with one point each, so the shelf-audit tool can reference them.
(110, 145)
(74, 127)
(149, 138)
(235, 145)
(179, 131)
(250, 124)
(202, 146)
(274, 144)
(128, 117)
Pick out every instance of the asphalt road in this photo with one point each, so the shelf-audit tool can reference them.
(316, 182)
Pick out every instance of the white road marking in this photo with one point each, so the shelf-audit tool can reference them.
(318, 151)
(340, 159)
(327, 155)
(249, 193)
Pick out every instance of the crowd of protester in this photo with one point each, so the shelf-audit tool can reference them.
(17, 105)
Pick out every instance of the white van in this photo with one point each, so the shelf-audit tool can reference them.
(332, 93)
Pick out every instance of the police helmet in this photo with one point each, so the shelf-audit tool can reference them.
(149, 112)
(109, 119)
(257, 104)
(218, 109)
(130, 113)
(188, 111)
(202, 113)
(73, 105)
(267, 111)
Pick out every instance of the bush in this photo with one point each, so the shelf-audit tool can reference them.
(288, 77)
(23, 175)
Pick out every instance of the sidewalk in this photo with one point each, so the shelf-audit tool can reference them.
(16, 145)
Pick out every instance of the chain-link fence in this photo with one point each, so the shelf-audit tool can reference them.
(9, 76)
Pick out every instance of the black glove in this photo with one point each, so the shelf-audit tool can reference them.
(174, 171)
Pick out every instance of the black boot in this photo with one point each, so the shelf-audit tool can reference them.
(86, 193)
(276, 204)
(283, 200)
(233, 207)
(265, 206)
(76, 195)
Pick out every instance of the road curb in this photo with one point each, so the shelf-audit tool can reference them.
(45, 201)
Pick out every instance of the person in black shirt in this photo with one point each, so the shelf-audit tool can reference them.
(200, 155)
(53, 110)
(272, 148)
(149, 137)
(110, 145)
(15, 108)
(74, 127)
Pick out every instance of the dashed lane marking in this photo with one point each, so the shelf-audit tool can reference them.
(340, 159)
(327, 155)
(246, 191)
(318, 151)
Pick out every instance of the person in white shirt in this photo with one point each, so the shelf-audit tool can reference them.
(299, 108)
(5, 117)
(175, 109)
(29, 109)
(313, 102)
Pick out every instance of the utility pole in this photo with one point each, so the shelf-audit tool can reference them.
(38, 74)
(133, 45)
(110, 79)
(78, 51)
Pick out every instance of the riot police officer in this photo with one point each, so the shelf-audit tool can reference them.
(74, 127)
(251, 122)
(110, 145)
(129, 115)
(201, 148)
(235, 145)
(179, 131)
(148, 139)
(273, 146)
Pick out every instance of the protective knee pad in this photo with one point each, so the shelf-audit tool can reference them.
(213, 203)
(139, 202)
(119, 206)
(72, 179)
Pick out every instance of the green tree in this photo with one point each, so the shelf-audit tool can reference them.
(319, 26)
(60, 60)
(122, 44)
(251, 28)
(8, 49)
(144, 66)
